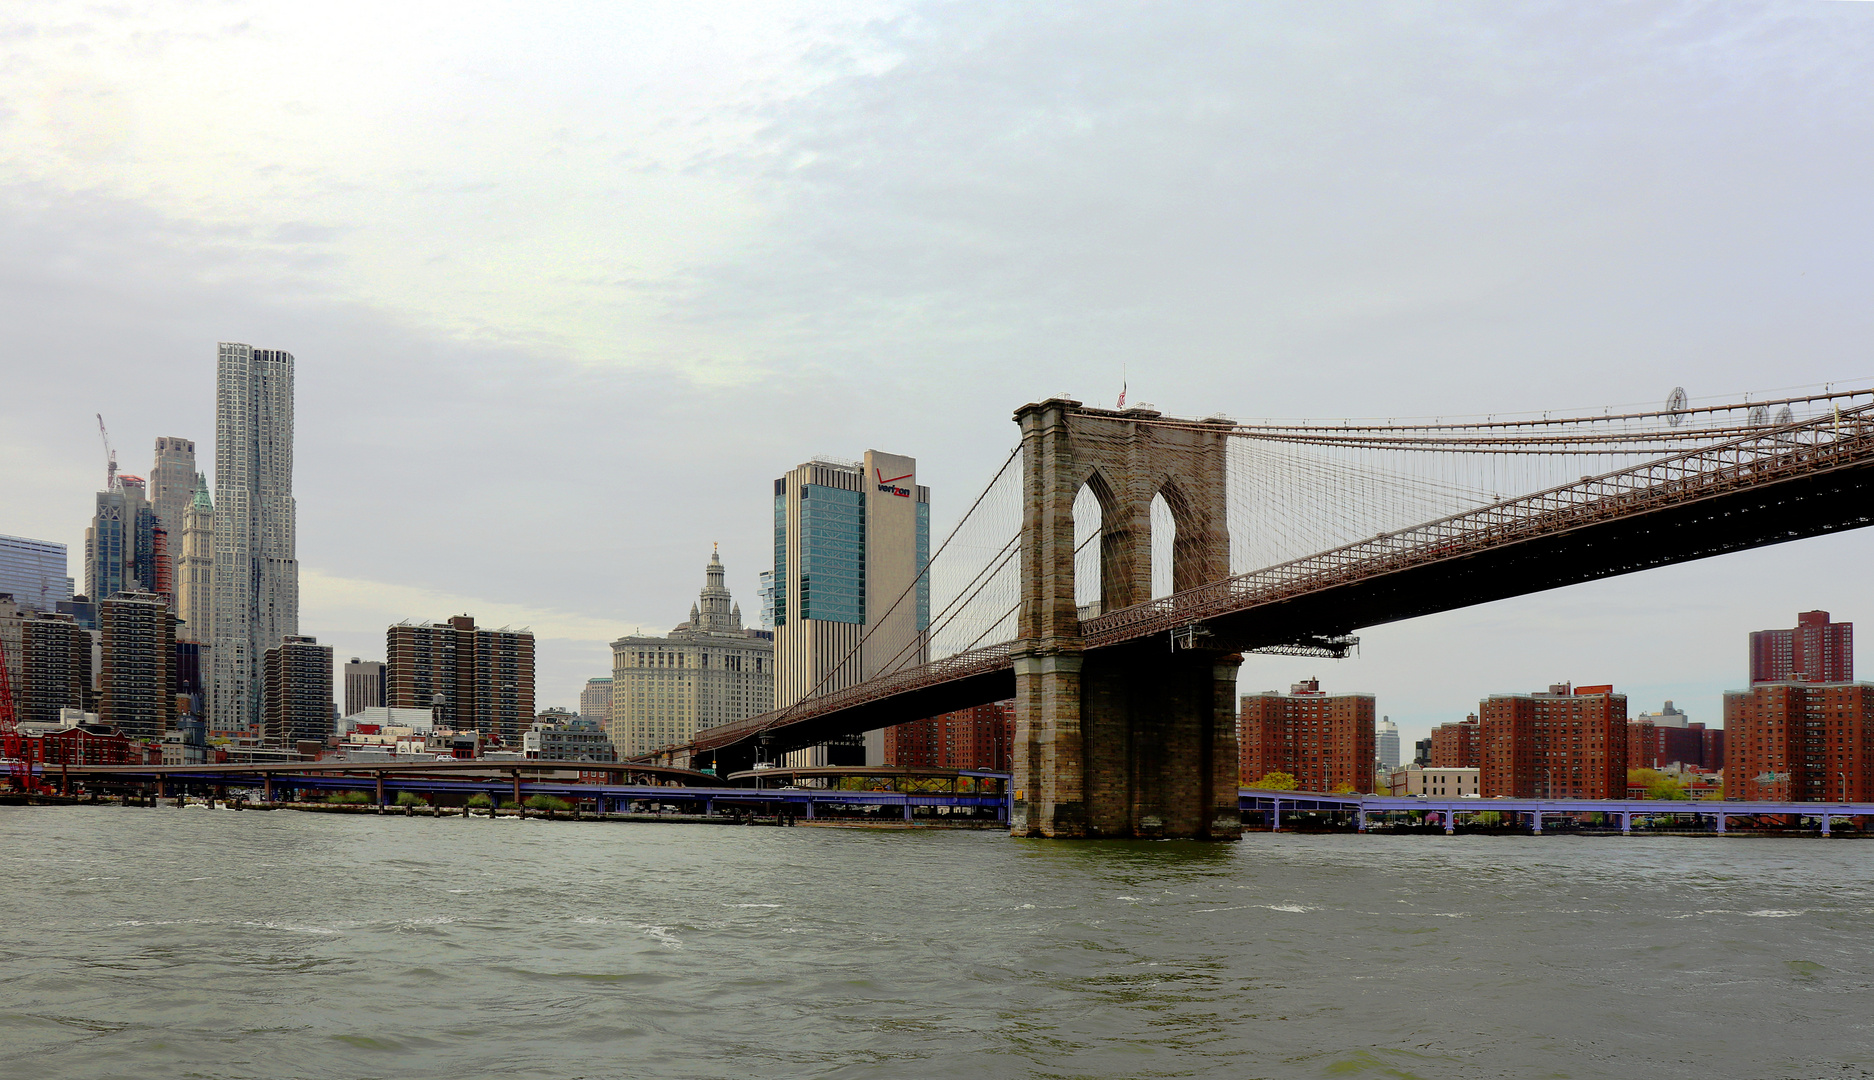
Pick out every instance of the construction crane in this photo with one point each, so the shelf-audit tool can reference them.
(110, 473)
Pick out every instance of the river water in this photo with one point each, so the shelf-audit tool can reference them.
(209, 943)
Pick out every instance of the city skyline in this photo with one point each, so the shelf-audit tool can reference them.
(1002, 485)
(1529, 286)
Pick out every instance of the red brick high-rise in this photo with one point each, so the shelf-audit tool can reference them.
(978, 738)
(1800, 741)
(1459, 745)
(482, 679)
(1814, 651)
(1565, 744)
(1325, 741)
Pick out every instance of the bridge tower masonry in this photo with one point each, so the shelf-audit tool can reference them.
(1136, 740)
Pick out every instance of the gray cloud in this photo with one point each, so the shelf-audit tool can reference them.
(1287, 209)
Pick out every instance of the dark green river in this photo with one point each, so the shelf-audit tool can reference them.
(208, 943)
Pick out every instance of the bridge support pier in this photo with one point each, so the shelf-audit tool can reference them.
(1139, 739)
(1721, 822)
(1133, 743)
(1825, 825)
(1626, 823)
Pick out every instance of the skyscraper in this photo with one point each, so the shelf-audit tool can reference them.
(851, 540)
(298, 694)
(708, 671)
(137, 679)
(121, 548)
(482, 680)
(1386, 743)
(256, 576)
(764, 592)
(34, 572)
(172, 489)
(48, 662)
(595, 701)
(1815, 650)
(364, 685)
(195, 567)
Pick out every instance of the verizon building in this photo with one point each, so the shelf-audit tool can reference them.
(851, 540)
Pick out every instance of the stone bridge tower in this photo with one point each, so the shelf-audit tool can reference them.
(1137, 740)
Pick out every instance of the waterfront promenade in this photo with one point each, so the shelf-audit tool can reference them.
(906, 794)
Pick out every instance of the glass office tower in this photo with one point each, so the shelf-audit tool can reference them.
(850, 543)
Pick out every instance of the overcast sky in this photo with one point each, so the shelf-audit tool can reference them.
(570, 284)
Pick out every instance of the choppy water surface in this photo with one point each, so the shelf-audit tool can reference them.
(147, 943)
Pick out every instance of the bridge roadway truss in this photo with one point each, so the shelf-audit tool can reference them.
(1771, 484)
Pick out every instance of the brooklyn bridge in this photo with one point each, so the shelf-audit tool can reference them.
(1114, 571)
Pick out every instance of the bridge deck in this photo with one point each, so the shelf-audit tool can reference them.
(1795, 482)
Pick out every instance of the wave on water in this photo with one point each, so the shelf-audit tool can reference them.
(663, 936)
(291, 928)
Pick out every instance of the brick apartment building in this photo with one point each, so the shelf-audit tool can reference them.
(1566, 743)
(1802, 742)
(1657, 740)
(1459, 745)
(1326, 741)
(978, 738)
(48, 661)
(296, 696)
(482, 679)
(137, 665)
(1814, 651)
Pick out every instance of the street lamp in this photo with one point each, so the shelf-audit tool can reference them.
(1844, 786)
